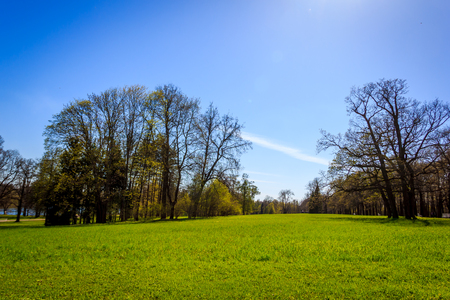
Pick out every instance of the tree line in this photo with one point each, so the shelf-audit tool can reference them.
(133, 153)
(285, 204)
(393, 160)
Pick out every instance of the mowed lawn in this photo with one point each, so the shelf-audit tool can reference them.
(241, 257)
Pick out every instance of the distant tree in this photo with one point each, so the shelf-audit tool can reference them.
(248, 192)
(10, 161)
(285, 196)
(315, 204)
(27, 172)
(270, 209)
(8, 201)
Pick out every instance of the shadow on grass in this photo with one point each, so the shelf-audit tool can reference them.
(14, 225)
(150, 221)
(13, 217)
(394, 222)
(30, 224)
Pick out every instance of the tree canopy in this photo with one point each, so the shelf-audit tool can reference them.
(393, 146)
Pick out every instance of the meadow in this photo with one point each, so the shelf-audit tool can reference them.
(241, 257)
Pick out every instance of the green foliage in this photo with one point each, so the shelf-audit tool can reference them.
(269, 209)
(182, 206)
(126, 152)
(248, 192)
(216, 200)
(315, 199)
(240, 257)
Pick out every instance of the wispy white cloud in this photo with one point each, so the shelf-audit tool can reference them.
(261, 173)
(262, 181)
(263, 142)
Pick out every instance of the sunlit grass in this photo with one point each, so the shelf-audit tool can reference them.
(260, 256)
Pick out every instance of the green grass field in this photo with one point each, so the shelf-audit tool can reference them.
(242, 257)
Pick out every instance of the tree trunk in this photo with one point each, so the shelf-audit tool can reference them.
(440, 205)
(433, 206)
(172, 211)
(423, 209)
(19, 207)
(165, 191)
(402, 212)
(136, 212)
(101, 209)
(406, 202)
(448, 192)
(387, 207)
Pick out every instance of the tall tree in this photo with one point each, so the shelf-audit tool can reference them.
(75, 122)
(219, 145)
(363, 147)
(134, 119)
(183, 145)
(109, 126)
(389, 135)
(315, 204)
(285, 196)
(175, 114)
(411, 129)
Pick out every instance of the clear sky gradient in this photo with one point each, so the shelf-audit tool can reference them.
(282, 67)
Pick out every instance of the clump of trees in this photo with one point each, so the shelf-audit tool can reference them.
(285, 204)
(16, 177)
(393, 160)
(130, 153)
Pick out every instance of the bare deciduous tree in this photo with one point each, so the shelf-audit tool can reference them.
(27, 172)
(389, 136)
(219, 146)
(9, 170)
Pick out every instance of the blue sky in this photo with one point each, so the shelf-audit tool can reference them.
(282, 67)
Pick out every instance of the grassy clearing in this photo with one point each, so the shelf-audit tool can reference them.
(242, 257)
